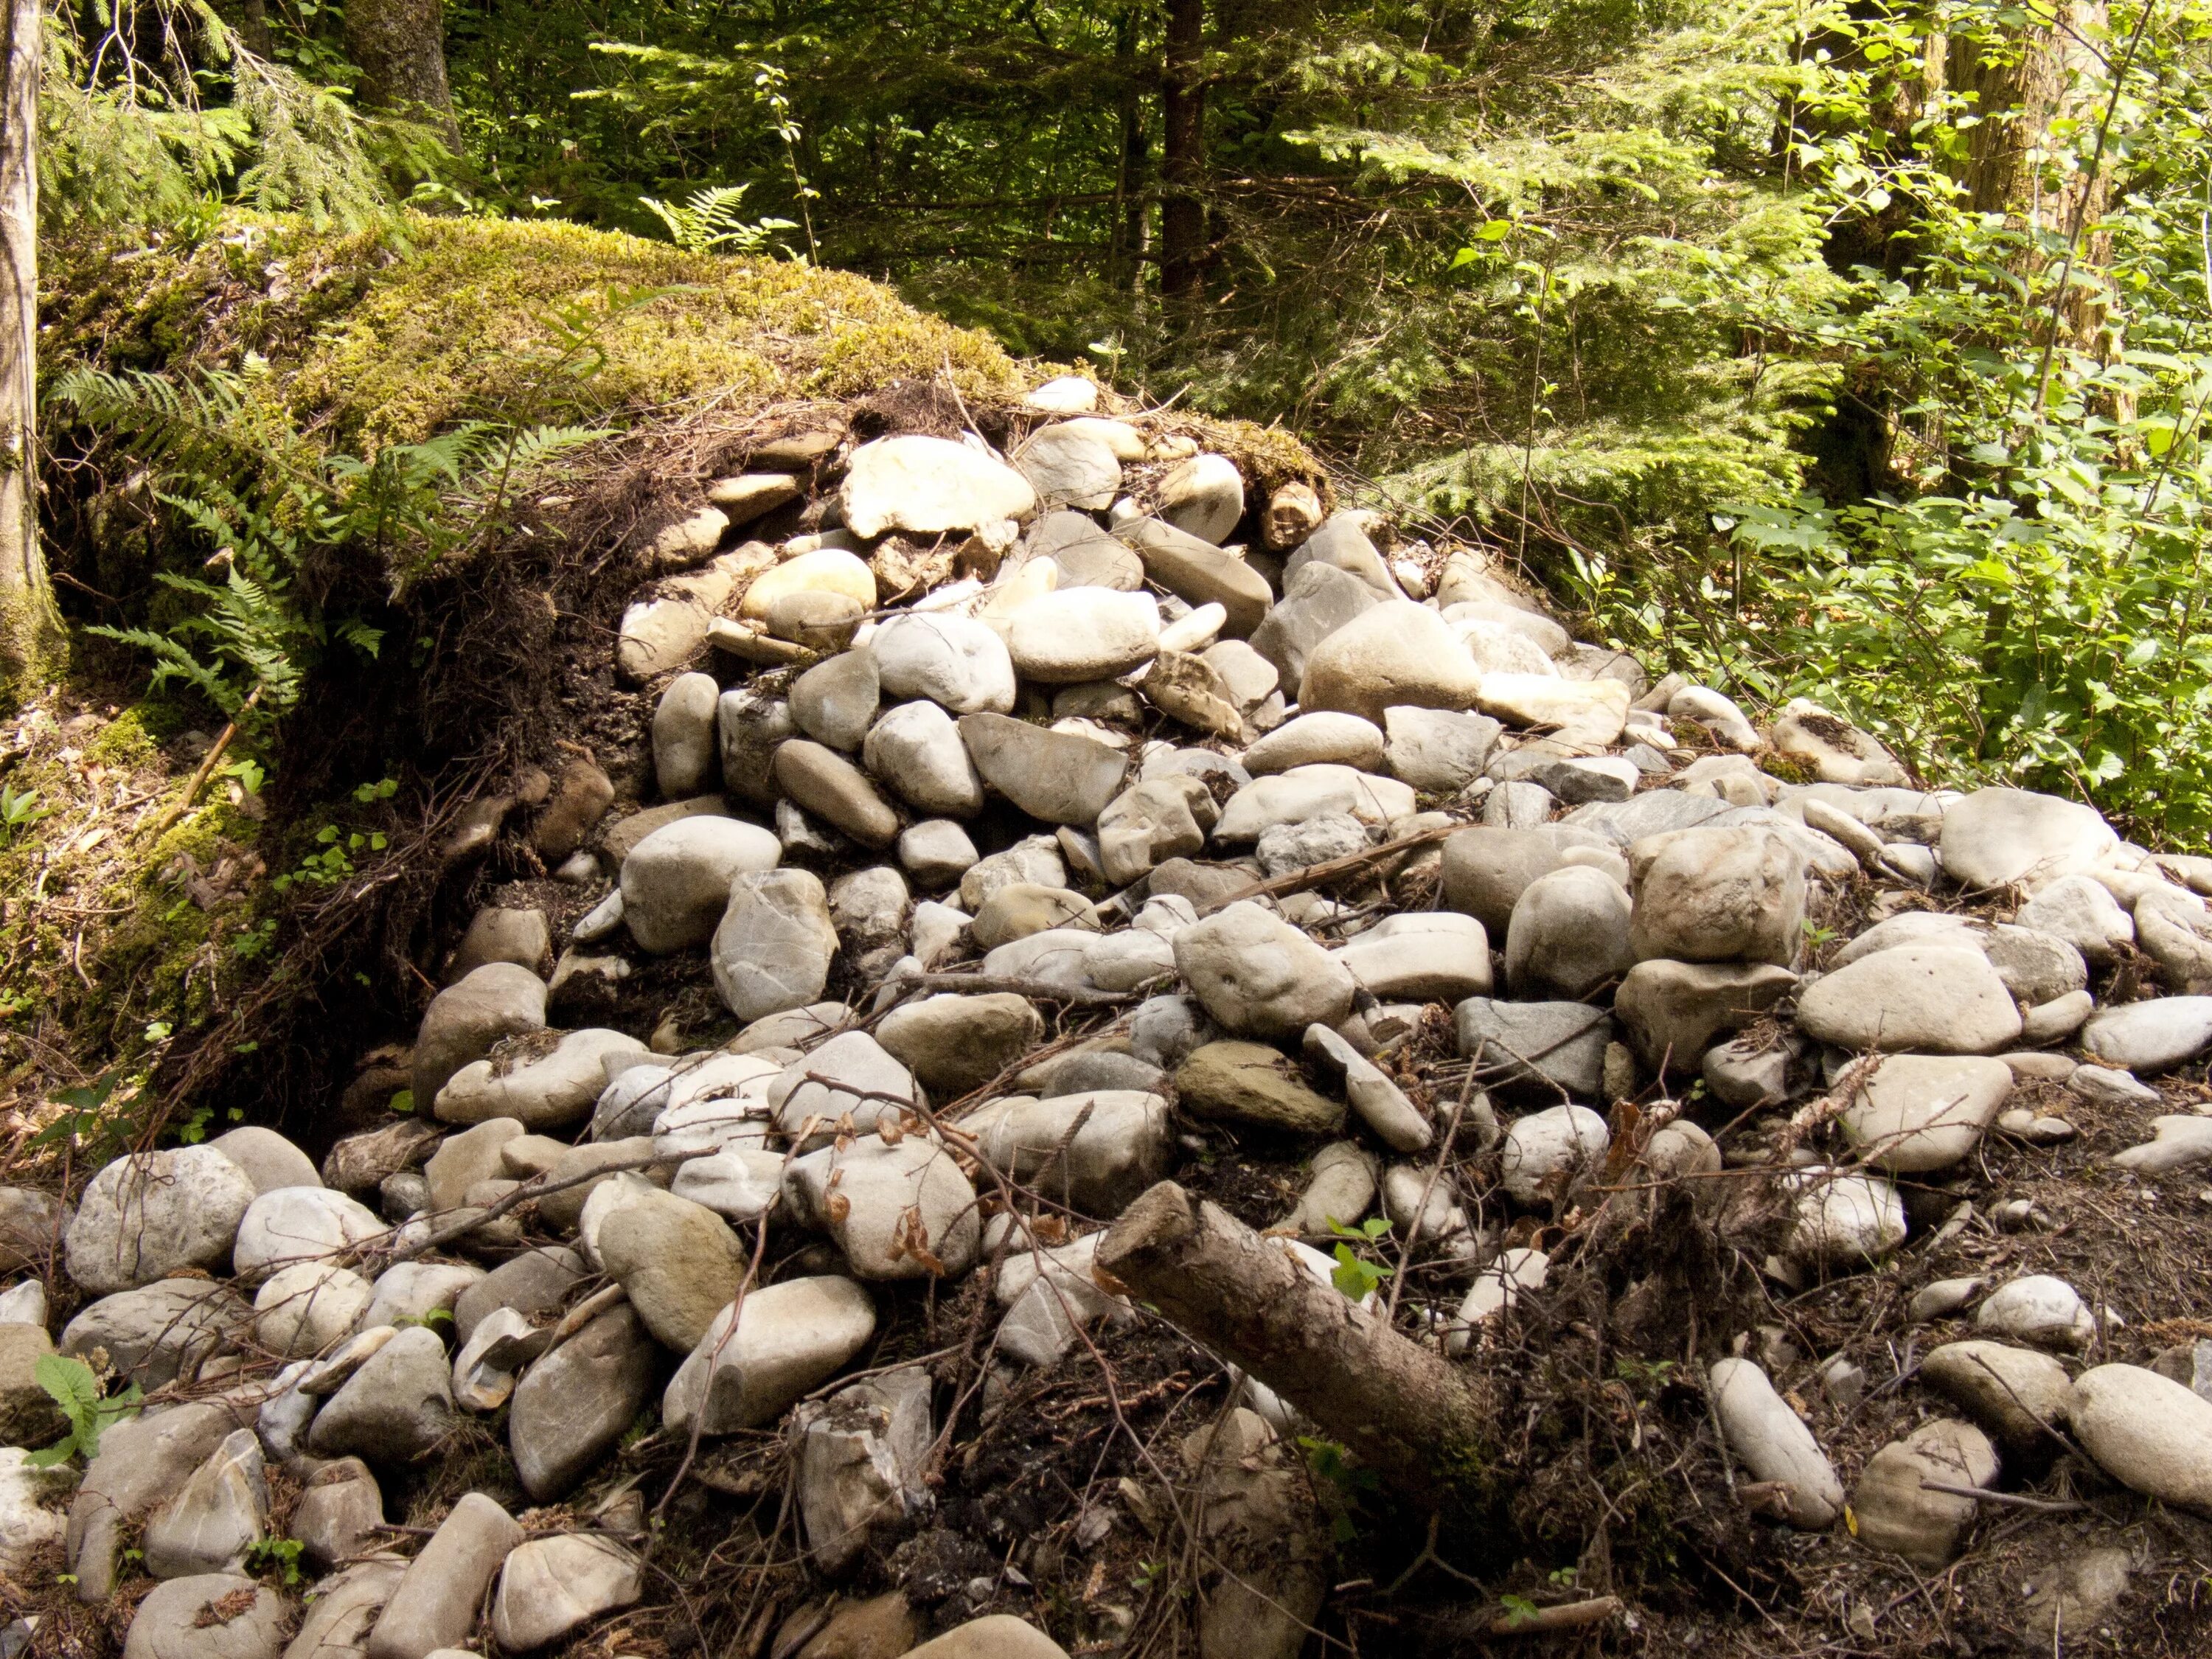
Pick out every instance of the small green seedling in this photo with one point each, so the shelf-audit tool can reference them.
(279, 1556)
(1355, 1275)
(76, 1389)
(19, 811)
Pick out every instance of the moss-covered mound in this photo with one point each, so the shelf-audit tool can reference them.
(392, 334)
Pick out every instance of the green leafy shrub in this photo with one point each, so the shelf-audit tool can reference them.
(277, 1558)
(2020, 597)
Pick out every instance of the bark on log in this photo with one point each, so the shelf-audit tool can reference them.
(1405, 1411)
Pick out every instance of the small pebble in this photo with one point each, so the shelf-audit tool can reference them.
(1942, 1298)
(2110, 1087)
(2033, 1127)
(1845, 1383)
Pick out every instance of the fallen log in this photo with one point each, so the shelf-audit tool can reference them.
(1423, 1423)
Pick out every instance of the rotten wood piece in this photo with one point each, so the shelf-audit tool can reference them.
(1572, 1615)
(1423, 1424)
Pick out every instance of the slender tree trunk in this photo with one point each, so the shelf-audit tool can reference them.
(1132, 213)
(400, 46)
(1183, 155)
(30, 625)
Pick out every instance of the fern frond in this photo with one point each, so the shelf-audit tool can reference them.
(185, 423)
(709, 222)
(191, 585)
(540, 444)
(172, 662)
(360, 636)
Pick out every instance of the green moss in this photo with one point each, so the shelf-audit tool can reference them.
(33, 649)
(375, 338)
(109, 945)
(887, 343)
(201, 835)
(125, 741)
(1267, 456)
(161, 950)
(169, 956)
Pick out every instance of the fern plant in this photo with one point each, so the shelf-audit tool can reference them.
(75, 1389)
(248, 638)
(244, 643)
(710, 223)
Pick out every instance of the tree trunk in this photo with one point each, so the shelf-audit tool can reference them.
(1883, 239)
(1402, 1409)
(400, 46)
(30, 625)
(2045, 76)
(1183, 155)
(253, 29)
(1132, 233)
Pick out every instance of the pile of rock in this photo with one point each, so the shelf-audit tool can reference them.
(1031, 720)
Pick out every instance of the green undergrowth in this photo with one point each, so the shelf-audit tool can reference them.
(105, 951)
(136, 921)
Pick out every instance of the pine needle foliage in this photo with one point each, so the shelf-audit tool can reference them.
(1503, 261)
(2019, 597)
(153, 113)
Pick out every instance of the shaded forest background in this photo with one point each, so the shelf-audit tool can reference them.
(1852, 350)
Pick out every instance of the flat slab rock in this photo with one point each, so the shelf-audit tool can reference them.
(1920, 1112)
(144, 1216)
(2000, 837)
(2147, 1431)
(2149, 1037)
(1774, 1443)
